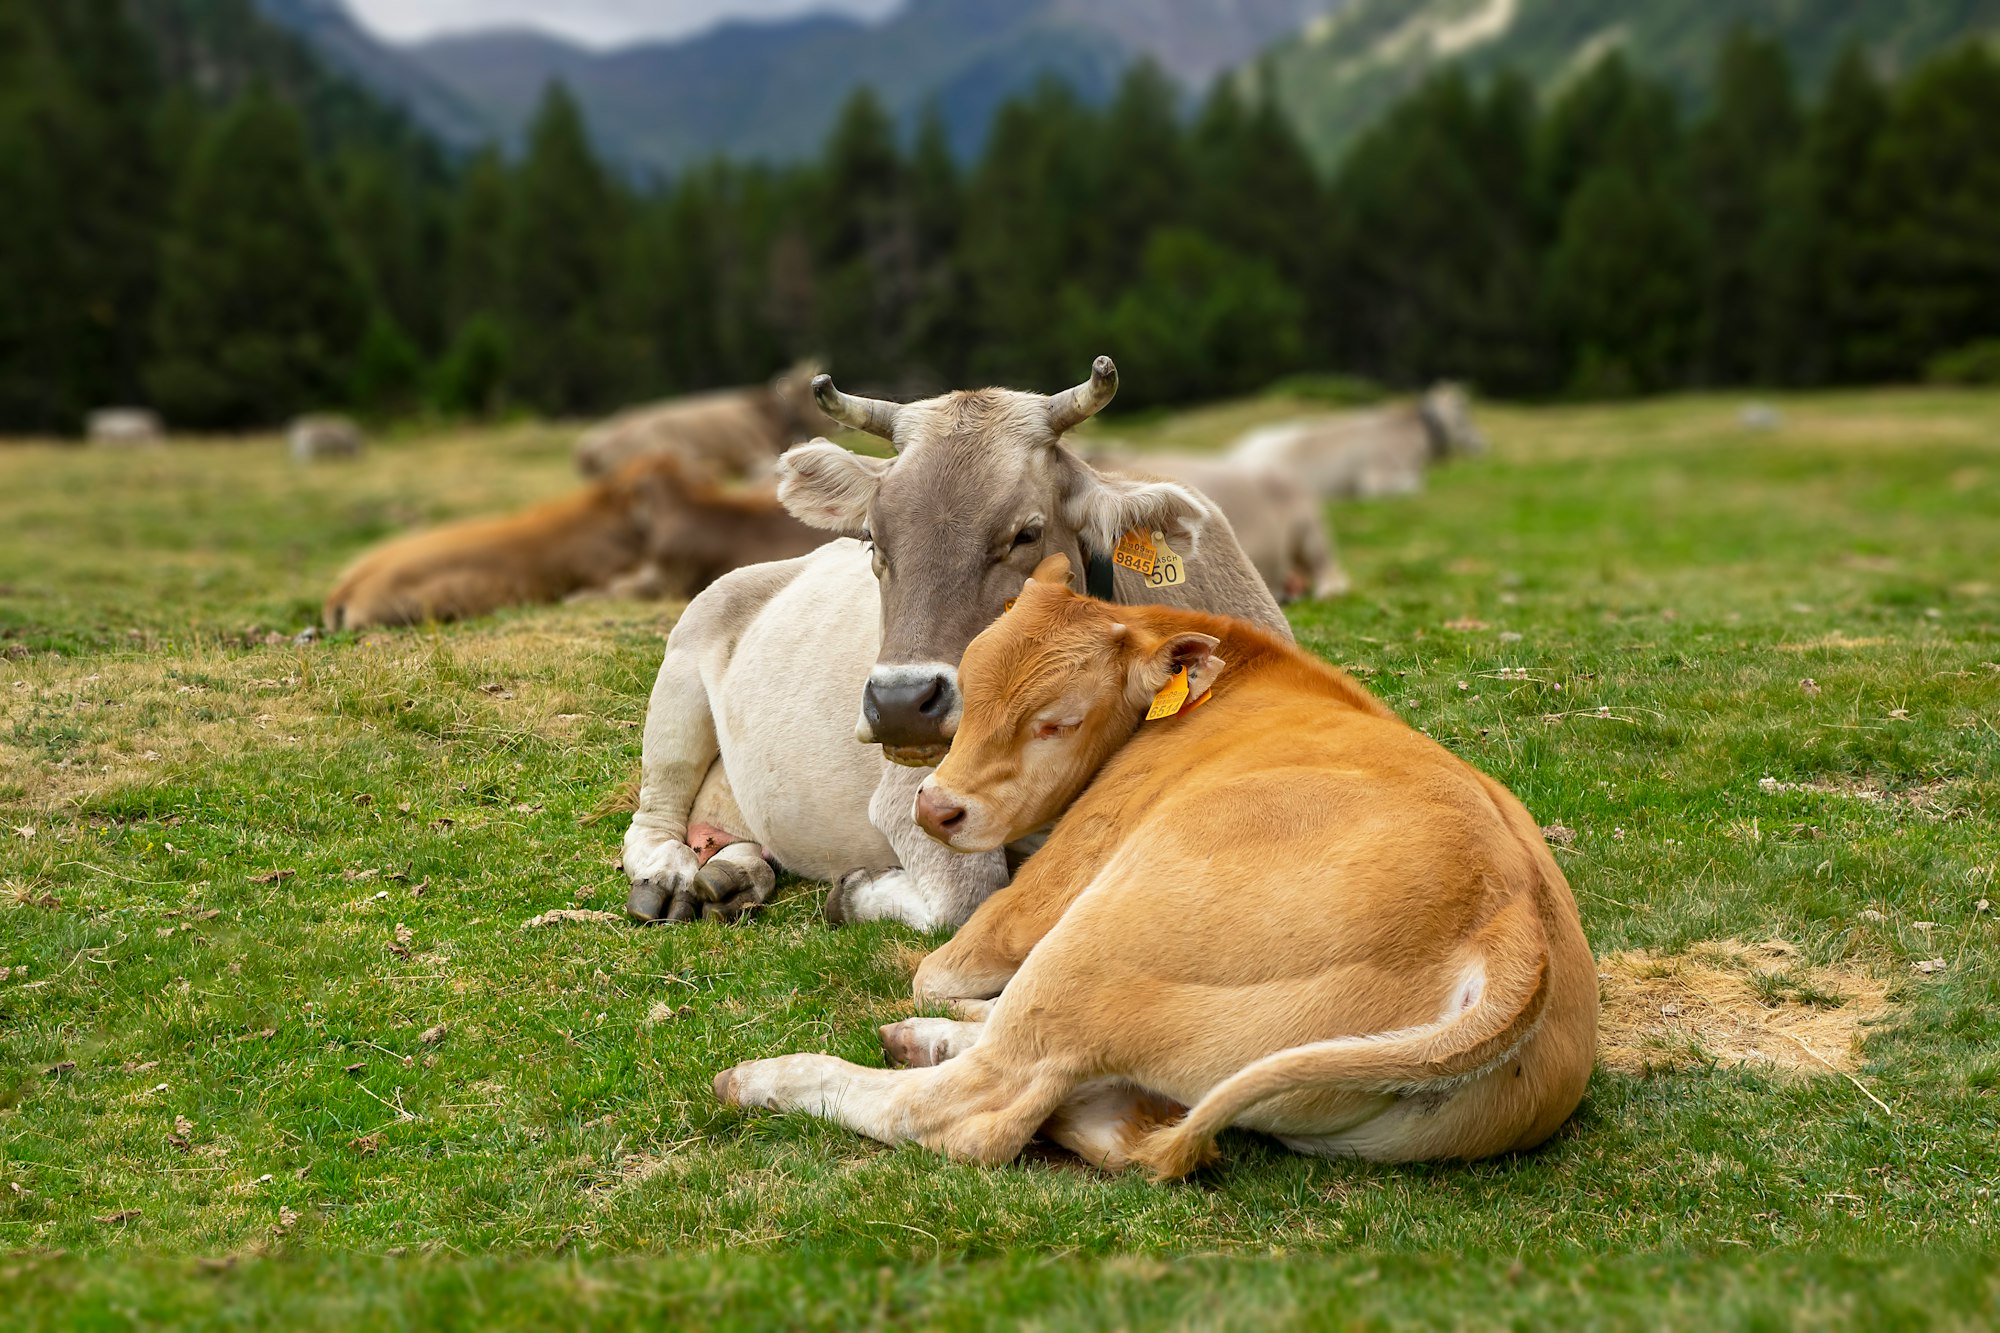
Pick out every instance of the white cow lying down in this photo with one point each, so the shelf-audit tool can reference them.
(762, 675)
(751, 741)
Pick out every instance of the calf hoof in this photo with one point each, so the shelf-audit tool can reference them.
(725, 1087)
(917, 1043)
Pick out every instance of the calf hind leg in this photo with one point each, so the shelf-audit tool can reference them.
(979, 1107)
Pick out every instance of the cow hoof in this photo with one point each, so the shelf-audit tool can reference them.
(734, 888)
(663, 878)
(647, 903)
(734, 909)
(835, 907)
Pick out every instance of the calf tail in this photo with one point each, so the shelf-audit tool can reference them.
(1512, 990)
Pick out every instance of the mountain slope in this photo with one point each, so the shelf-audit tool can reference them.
(1346, 67)
(771, 90)
(340, 42)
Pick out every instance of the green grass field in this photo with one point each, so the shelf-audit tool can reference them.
(275, 1047)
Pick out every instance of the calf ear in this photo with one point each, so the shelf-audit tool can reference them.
(826, 486)
(1154, 664)
(1053, 569)
(1103, 509)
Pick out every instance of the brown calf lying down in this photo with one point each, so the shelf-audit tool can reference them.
(653, 529)
(1283, 908)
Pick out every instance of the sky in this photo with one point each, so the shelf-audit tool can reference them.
(595, 22)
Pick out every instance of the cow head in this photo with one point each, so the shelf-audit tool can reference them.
(1447, 413)
(980, 491)
(794, 405)
(1052, 689)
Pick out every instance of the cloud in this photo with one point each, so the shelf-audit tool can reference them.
(596, 22)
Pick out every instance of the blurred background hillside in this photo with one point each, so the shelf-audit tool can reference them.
(237, 210)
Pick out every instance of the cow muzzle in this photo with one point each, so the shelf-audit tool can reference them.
(911, 710)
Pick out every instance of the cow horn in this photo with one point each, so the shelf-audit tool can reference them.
(1073, 407)
(869, 414)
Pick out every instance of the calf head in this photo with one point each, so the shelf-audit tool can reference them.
(981, 489)
(1052, 689)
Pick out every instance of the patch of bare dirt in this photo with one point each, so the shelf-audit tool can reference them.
(1834, 641)
(1936, 799)
(1734, 1004)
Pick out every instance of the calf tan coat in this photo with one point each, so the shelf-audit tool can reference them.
(654, 529)
(1282, 908)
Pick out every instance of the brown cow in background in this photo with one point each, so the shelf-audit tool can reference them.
(727, 433)
(658, 528)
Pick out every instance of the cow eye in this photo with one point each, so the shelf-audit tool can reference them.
(1027, 536)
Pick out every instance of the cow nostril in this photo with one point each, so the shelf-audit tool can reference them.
(934, 702)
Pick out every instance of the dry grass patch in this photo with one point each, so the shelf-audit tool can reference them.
(1734, 1004)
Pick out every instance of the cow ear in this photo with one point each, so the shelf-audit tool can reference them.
(826, 486)
(1102, 509)
(1154, 663)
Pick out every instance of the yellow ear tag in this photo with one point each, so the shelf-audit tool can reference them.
(1135, 552)
(1171, 697)
(1167, 571)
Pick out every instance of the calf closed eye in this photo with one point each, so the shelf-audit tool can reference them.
(1048, 729)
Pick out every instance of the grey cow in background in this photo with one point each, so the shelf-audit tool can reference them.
(1361, 455)
(727, 433)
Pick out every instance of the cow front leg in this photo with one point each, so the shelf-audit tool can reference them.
(679, 762)
(931, 887)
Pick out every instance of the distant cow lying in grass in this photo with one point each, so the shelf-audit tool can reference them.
(1281, 907)
(1280, 524)
(1361, 455)
(726, 432)
(654, 529)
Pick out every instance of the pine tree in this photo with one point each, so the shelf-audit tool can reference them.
(1839, 157)
(1619, 290)
(1026, 230)
(863, 246)
(475, 281)
(1735, 157)
(939, 324)
(563, 241)
(78, 210)
(1932, 200)
(385, 216)
(1430, 258)
(1255, 188)
(261, 309)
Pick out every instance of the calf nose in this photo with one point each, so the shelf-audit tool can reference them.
(906, 707)
(937, 815)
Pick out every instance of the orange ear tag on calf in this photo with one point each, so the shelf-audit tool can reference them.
(1171, 697)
